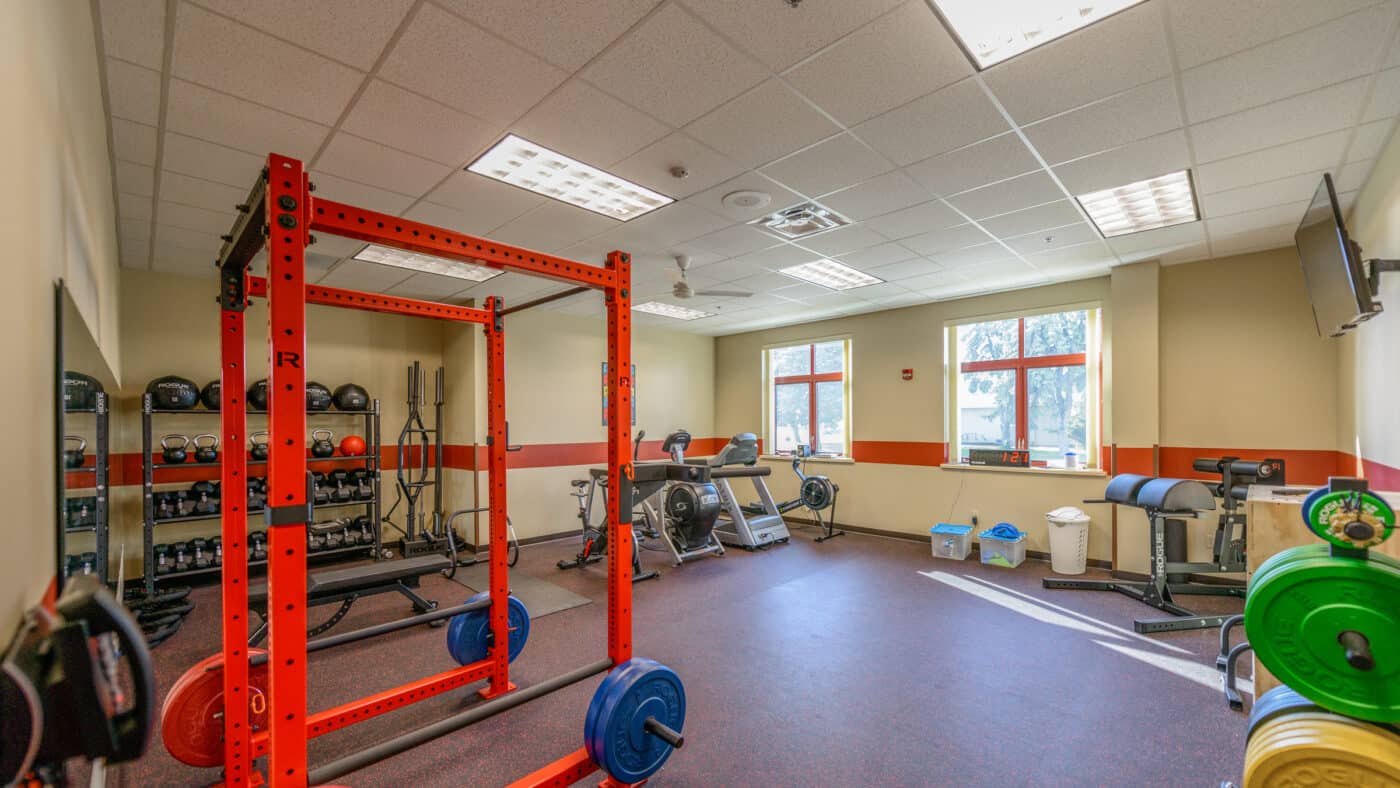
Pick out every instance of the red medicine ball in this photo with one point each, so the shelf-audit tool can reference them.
(352, 446)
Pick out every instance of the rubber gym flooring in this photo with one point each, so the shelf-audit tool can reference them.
(805, 665)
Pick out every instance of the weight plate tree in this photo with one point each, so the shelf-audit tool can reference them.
(1350, 519)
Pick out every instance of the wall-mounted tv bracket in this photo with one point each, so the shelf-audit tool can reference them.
(1379, 267)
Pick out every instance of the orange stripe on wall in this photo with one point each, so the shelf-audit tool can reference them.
(899, 452)
(1302, 466)
(1134, 459)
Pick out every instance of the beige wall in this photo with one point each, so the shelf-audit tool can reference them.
(57, 221)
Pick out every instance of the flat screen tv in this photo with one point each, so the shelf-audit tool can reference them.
(1332, 267)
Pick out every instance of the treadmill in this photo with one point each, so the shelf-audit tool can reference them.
(736, 527)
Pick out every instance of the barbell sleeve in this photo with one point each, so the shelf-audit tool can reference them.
(1357, 650)
(664, 732)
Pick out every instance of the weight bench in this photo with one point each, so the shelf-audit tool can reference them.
(349, 584)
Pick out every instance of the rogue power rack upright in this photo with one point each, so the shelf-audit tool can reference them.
(253, 721)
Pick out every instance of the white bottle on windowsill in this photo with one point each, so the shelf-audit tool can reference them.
(1071, 460)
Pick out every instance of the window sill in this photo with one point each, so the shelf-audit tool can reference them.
(788, 459)
(1085, 472)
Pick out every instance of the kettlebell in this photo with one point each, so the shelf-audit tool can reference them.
(257, 449)
(322, 446)
(207, 451)
(73, 458)
(174, 454)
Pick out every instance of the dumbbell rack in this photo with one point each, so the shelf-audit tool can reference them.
(99, 474)
(150, 469)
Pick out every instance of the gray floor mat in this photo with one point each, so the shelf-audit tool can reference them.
(540, 597)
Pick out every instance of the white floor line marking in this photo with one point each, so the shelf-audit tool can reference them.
(1027, 609)
(1205, 675)
(1077, 614)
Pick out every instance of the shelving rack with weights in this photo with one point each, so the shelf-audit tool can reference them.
(151, 469)
(94, 477)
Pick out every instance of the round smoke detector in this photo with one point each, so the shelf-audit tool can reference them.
(746, 199)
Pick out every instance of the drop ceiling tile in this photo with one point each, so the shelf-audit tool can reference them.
(976, 165)
(764, 124)
(487, 78)
(1118, 53)
(215, 51)
(1333, 52)
(651, 166)
(1260, 195)
(673, 67)
(1031, 220)
(336, 247)
(134, 30)
(712, 199)
(1025, 191)
(1133, 162)
(936, 280)
(566, 34)
(134, 208)
(876, 256)
(1225, 226)
(390, 115)
(136, 179)
(931, 215)
(1207, 29)
(201, 159)
(1393, 61)
(957, 115)
(134, 252)
(779, 35)
(1299, 117)
(1351, 177)
(800, 291)
(1253, 240)
(1003, 275)
(133, 228)
(841, 240)
(839, 162)
(1093, 258)
(489, 203)
(1370, 139)
(376, 165)
(360, 275)
(736, 240)
(947, 239)
(552, 225)
(329, 187)
(429, 287)
(587, 124)
(440, 216)
(1054, 238)
(983, 255)
(1138, 113)
(666, 227)
(781, 256)
(905, 269)
(218, 117)
(134, 142)
(1156, 243)
(884, 194)
(1385, 100)
(728, 271)
(1294, 158)
(201, 220)
(197, 247)
(355, 33)
(133, 91)
(895, 59)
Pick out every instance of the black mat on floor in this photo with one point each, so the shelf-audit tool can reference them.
(540, 597)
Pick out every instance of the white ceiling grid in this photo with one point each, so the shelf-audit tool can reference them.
(956, 182)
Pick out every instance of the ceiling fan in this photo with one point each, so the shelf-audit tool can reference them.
(682, 288)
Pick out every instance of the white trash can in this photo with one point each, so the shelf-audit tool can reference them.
(1069, 540)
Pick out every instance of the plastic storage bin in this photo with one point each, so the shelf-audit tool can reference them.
(1069, 540)
(951, 541)
(997, 550)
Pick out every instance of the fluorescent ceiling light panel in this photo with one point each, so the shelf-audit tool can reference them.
(800, 221)
(995, 30)
(671, 310)
(830, 274)
(413, 261)
(522, 163)
(1146, 205)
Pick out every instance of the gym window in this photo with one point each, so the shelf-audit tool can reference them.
(808, 397)
(1027, 382)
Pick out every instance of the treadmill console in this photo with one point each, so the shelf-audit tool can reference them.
(742, 449)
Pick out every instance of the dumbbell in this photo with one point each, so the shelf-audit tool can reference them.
(200, 549)
(81, 512)
(320, 490)
(257, 493)
(204, 496)
(181, 552)
(88, 563)
(342, 491)
(182, 506)
(315, 543)
(70, 566)
(362, 524)
(164, 504)
(216, 549)
(163, 563)
(335, 539)
(257, 540)
(363, 486)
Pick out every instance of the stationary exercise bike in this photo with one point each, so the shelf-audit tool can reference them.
(595, 540)
(815, 493)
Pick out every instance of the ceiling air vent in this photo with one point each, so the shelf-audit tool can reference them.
(803, 220)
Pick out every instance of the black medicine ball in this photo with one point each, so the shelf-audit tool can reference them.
(351, 396)
(172, 392)
(209, 395)
(80, 391)
(257, 395)
(318, 397)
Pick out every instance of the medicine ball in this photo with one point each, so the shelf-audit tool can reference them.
(318, 397)
(209, 395)
(80, 391)
(257, 395)
(172, 392)
(351, 396)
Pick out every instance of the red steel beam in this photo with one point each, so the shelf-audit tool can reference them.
(351, 222)
(619, 307)
(566, 771)
(288, 213)
(496, 477)
(378, 302)
(361, 709)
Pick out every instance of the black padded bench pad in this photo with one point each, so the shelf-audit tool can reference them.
(359, 578)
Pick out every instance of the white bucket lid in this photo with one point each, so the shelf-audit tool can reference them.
(1068, 514)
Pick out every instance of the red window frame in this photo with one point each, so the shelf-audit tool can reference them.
(1020, 363)
(812, 378)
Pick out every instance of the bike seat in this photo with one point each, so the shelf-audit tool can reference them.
(579, 483)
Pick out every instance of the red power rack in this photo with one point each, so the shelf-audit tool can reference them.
(281, 213)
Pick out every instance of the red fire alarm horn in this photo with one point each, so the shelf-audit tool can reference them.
(907, 374)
